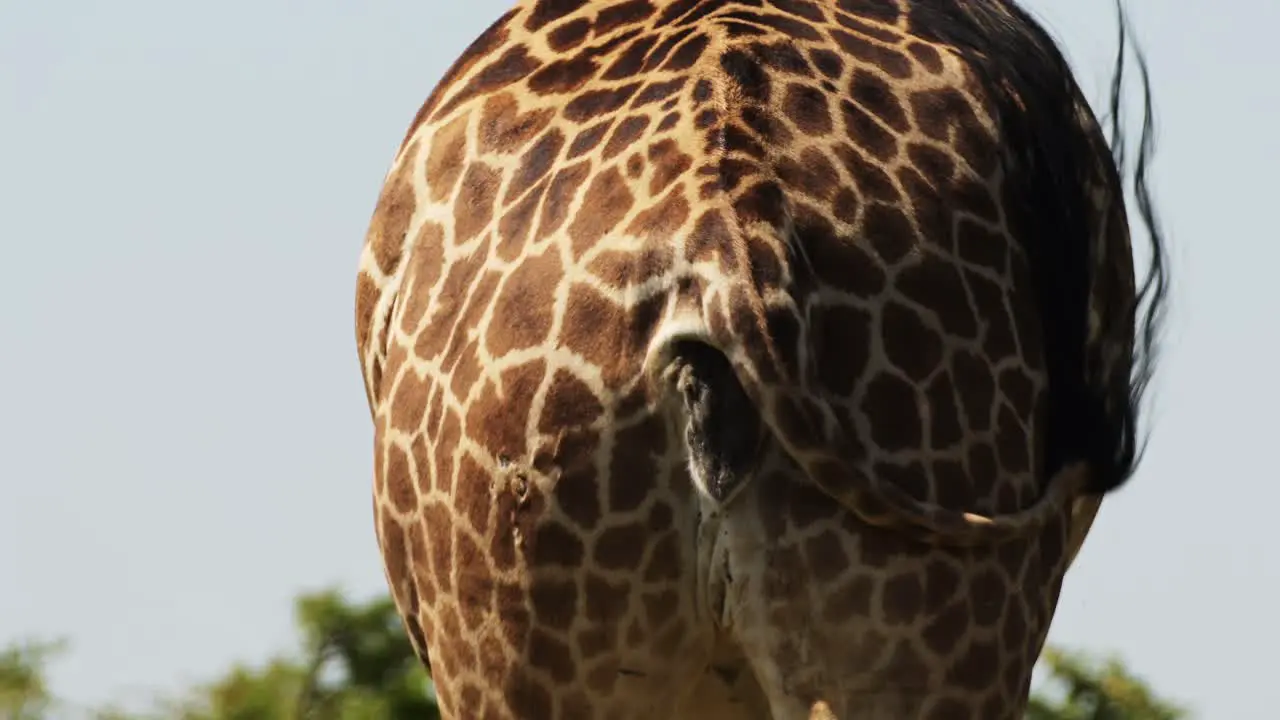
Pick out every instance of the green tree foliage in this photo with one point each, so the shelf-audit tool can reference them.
(24, 691)
(1083, 688)
(265, 692)
(355, 663)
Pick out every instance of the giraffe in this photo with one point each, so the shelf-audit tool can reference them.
(750, 358)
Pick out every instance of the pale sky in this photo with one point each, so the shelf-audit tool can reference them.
(184, 441)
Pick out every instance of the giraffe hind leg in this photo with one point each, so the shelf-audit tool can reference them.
(724, 431)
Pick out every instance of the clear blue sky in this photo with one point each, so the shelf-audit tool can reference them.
(184, 442)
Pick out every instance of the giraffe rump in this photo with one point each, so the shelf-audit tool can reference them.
(668, 309)
(1098, 334)
(1097, 375)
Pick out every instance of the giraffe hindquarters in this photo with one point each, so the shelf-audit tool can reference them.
(552, 622)
(552, 585)
(842, 620)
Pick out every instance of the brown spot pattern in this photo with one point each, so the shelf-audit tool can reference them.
(537, 525)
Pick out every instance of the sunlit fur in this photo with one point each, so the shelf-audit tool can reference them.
(749, 358)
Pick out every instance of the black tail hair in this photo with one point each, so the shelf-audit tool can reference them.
(1154, 290)
(1034, 96)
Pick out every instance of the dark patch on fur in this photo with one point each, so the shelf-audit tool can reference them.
(1091, 415)
(418, 640)
(724, 432)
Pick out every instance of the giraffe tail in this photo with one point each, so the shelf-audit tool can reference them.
(729, 419)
